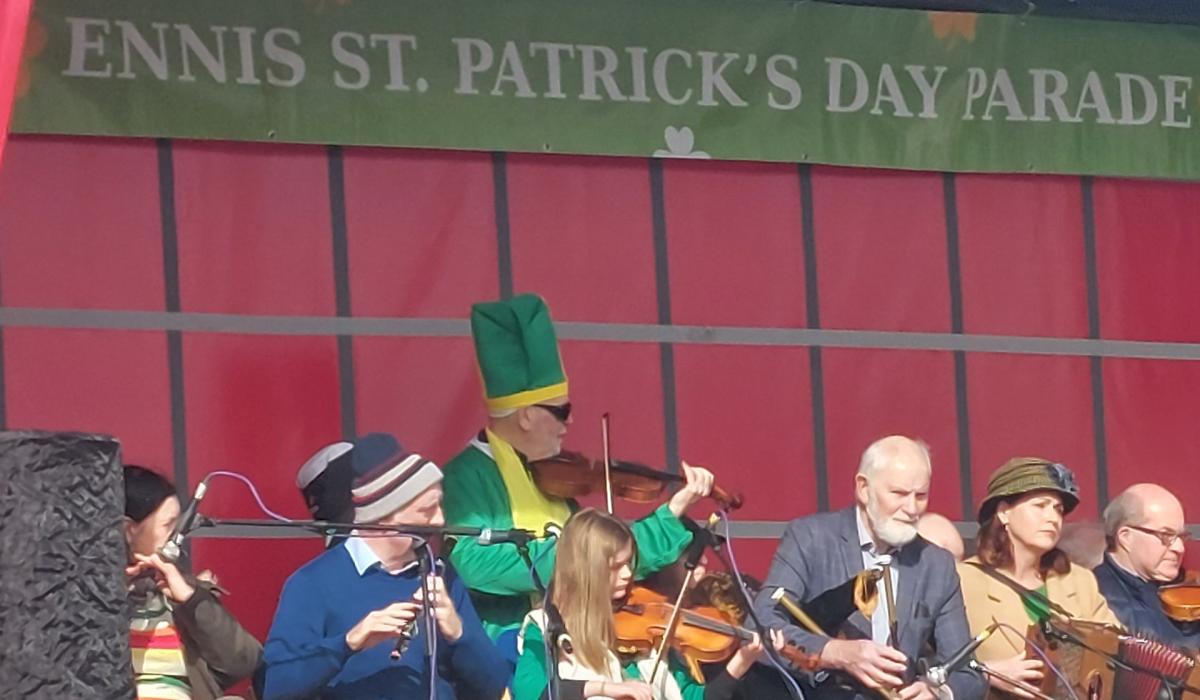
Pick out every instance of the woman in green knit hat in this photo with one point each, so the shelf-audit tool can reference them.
(1019, 576)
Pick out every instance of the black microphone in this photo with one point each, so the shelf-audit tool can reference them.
(173, 549)
(695, 550)
(937, 676)
(703, 537)
(516, 536)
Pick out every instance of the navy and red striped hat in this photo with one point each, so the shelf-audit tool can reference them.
(387, 477)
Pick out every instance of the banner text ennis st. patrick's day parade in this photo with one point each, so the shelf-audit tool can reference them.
(847, 85)
(535, 70)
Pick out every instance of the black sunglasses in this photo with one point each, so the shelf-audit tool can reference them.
(562, 413)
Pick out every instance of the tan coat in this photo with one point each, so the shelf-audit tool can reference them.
(988, 600)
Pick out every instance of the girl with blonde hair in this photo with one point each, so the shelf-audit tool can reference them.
(596, 559)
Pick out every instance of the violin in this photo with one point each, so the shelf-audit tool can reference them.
(573, 475)
(702, 635)
(1181, 601)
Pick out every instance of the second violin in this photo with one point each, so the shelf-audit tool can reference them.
(702, 635)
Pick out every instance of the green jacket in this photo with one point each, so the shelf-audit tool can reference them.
(530, 680)
(501, 585)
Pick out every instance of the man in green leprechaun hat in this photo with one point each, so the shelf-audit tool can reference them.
(489, 485)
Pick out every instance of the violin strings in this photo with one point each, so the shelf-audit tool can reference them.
(697, 620)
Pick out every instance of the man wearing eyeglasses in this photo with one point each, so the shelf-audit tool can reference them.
(1146, 532)
(489, 485)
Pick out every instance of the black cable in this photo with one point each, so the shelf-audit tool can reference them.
(764, 633)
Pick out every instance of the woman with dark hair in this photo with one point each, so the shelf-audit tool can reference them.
(1018, 576)
(185, 645)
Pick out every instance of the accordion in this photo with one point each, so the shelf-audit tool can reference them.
(1100, 662)
(1170, 670)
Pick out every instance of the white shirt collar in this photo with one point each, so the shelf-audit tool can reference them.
(365, 558)
(482, 446)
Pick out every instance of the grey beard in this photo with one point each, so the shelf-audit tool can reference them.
(889, 530)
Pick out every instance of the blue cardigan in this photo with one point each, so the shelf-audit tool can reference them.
(1135, 603)
(306, 654)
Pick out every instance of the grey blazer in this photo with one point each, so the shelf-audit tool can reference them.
(821, 551)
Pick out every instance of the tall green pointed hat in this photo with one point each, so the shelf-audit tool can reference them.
(517, 352)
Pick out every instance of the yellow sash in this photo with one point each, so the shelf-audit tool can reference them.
(531, 509)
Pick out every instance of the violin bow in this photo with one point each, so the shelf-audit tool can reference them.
(607, 462)
(672, 624)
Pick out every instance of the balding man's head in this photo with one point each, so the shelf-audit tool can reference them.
(1137, 522)
(937, 529)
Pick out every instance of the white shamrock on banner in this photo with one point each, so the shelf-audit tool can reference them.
(680, 144)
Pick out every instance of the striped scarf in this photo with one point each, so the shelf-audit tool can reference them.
(158, 663)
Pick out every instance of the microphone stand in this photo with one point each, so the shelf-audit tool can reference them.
(550, 634)
(716, 543)
(764, 632)
(424, 568)
(329, 528)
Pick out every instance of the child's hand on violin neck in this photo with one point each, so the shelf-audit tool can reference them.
(751, 652)
(698, 483)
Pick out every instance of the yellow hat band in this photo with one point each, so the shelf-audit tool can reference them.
(527, 398)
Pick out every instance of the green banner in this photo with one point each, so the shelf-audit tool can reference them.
(775, 81)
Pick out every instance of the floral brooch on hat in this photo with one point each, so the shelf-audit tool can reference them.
(1063, 478)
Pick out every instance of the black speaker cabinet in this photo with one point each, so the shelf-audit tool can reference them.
(64, 623)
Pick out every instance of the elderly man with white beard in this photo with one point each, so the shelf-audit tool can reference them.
(822, 551)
